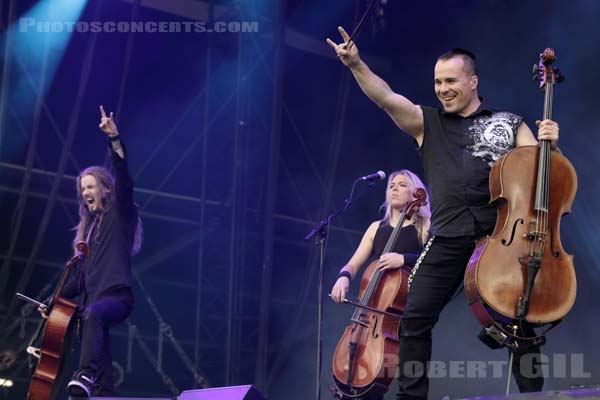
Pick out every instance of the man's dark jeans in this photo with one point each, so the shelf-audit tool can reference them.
(98, 317)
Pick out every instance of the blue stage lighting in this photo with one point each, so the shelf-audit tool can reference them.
(38, 40)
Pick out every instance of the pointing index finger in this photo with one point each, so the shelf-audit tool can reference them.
(102, 113)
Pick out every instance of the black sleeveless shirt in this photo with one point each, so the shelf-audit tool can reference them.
(407, 242)
(458, 153)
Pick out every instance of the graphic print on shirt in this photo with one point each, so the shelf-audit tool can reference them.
(493, 136)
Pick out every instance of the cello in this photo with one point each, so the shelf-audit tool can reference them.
(59, 320)
(365, 358)
(521, 272)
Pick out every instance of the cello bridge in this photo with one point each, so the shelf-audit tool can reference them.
(535, 235)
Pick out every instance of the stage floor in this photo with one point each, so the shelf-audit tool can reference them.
(580, 394)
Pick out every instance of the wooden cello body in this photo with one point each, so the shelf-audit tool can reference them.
(366, 357)
(50, 353)
(375, 358)
(522, 272)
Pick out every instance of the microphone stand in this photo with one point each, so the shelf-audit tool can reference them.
(320, 235)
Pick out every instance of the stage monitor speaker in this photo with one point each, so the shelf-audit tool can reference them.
(117, 398)
(247, 392)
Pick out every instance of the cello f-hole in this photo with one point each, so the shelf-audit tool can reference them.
(555, 252)
(512, 234)
(374, 326)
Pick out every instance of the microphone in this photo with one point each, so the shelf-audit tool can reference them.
(377, 176)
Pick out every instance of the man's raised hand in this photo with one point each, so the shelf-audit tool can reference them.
(107, 124)
(347, 54)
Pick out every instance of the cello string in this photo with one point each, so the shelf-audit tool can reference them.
(544, 186)
(546, 161)
(542, 189)
(548, 175)
(549, 95)
(377, 275)
(540, 212)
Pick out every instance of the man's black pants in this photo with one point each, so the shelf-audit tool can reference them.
(437, 278)
(98, 317)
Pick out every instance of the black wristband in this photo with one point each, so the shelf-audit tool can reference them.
(345, 273)
(113, 138)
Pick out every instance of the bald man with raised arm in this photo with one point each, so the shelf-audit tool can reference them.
(458, 144)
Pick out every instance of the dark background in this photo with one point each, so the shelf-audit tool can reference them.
(239, 144)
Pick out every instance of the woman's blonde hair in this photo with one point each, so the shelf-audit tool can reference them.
(106, 182)
(423, 216)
